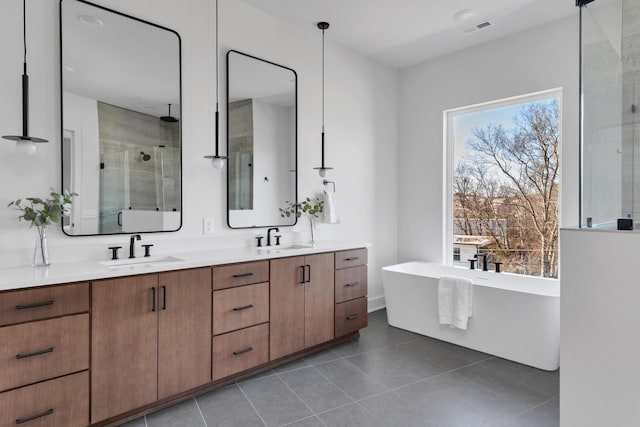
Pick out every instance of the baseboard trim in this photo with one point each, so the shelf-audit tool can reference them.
(376, 303)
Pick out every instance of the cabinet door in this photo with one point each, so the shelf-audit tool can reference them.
(124, 345)
(184, 332)
(286, 319)
(319, 299)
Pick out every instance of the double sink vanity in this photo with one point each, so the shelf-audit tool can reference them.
(98, 343)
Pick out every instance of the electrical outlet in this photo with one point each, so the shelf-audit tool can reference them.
(207, 225)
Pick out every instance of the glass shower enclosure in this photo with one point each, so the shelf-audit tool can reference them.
(610, 72)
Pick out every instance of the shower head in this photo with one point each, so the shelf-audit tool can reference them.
(169, 118)
(145, 157)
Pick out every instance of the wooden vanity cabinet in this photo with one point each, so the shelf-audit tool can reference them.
(44, 356)
(351, 291)
(302, 303)
(151, 338)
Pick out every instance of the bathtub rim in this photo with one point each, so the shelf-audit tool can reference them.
(551, 287)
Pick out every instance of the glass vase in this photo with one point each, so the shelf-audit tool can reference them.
(312, 226)
(41, 252)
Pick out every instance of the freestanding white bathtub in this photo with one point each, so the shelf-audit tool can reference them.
(515, 317)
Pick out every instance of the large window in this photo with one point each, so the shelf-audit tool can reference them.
(503, 183)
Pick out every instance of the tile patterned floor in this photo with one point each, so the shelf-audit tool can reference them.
(387, 378)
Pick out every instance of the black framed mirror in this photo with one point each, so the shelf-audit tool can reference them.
(121, 101)
(261, 141)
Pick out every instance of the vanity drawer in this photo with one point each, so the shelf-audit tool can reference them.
(351, 283)
(352, 258)
(42, 303)
(350, 316)
(240, 307)
(37, 351)
(240, 350)
(60, 402)
(240, 274)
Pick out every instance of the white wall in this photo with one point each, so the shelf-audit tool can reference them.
(599, 351)
(361, 122)
(545, 57)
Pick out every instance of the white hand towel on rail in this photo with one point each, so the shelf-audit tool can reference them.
(329, 210)
(455, 301)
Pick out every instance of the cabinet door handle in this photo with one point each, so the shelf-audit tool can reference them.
(153, 304)
(236, 276)
(348, 285)
(34, 417)
(164, 297)
(353, 258)
(239, 352)
(309, 276)
(244, 307)
(304, 275)
(353, 316)
(36, 305)
(35, 353)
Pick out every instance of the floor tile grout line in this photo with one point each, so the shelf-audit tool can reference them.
(386, 360)
(336, 386)
(296, 395)
(518, 380)
(495, 393)
(201, 414)
(251, 403)
(537, 406)
(509, 378)
(302, 419)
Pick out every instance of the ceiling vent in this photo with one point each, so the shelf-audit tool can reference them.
(480, 26)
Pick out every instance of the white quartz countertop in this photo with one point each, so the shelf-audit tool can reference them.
(69, 272)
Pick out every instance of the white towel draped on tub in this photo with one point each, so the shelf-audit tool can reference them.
(455, 301)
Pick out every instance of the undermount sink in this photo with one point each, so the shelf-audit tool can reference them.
(282, 248)
(142, 262)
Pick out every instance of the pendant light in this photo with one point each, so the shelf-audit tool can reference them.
(322, 170)
(217, 161)
(169, 118)
(24, 142)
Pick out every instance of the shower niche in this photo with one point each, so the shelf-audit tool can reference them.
(610, 113)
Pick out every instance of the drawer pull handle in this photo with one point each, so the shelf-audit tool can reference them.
(236, 276)
(239, 352)
(36, 305)
(353, 316)
(34, 417)
(153, 297)
(352, 284)
(36, 353)
(244, 307)
(353, 258)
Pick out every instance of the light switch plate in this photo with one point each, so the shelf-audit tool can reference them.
(207, 225)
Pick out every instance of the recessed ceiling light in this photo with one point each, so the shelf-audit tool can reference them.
(90, 20)
(464, 14)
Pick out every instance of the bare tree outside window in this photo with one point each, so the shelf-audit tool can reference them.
(505, 188)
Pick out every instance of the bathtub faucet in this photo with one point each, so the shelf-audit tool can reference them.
(485, 261)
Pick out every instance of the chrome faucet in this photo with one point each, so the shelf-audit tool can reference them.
(132, 245)
(276, 229)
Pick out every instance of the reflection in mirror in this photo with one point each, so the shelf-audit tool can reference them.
(261, 141)
(121, 132)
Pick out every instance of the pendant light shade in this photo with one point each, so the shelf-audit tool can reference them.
(322, 170)
(217, 161)
(169, 118)
(24, 142)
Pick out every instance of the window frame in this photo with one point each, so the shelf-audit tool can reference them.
(448, 157)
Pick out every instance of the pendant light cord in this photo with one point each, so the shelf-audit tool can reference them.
(24, 32)
(323, 81)
(217, 76)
